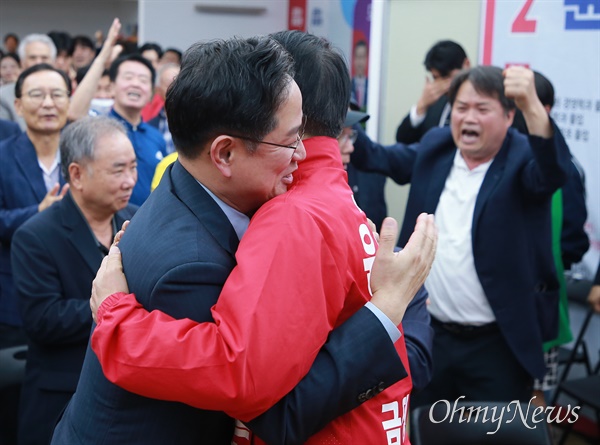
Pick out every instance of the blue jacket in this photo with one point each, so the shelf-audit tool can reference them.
(22, 188)
(55, 258)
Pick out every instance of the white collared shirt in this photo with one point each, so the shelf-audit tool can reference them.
(52, 174)
(456, 294)
(238, 220)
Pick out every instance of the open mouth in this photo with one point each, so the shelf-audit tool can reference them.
(468, 135)
(134, 95)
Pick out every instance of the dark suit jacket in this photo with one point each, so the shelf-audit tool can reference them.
(511, 231)
(407, 134)
(369, 193)
(574, 241)
(55, 258)
(21, 190)
(8, 129)
(181, 272)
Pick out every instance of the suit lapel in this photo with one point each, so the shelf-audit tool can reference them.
(490, 181)
(203, 206)
(80, 234)
(439, 173)
(27, 161)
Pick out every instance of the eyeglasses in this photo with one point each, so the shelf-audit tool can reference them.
(352, 136)
(292, 147)
(38, 96)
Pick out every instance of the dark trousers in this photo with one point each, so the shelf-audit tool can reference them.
(475, 364)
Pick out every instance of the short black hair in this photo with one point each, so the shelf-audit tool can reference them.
(13, 56)
(9, 35)
(544, 89)
(151, 46)
(62, 40)
(81, 41)
(360, 43)
(487, 80)
(323, 77)
(113, 71)
(37, 68)
(227, 86)
(444, 57)
(173, 50)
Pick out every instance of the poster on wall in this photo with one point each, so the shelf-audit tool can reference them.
(561, 40)
(347, 24)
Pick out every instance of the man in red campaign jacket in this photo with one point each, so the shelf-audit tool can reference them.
(304, 267)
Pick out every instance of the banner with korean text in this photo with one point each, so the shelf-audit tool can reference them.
(560, 39)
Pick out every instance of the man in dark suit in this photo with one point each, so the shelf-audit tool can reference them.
(30, 176)
(182, 274)
(444, 60)
(55, 256)
(8, 129)
(493, 286)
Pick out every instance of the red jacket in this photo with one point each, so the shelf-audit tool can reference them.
(303, 269)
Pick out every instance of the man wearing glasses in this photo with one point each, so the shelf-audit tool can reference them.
(304, 267)
(241, 154)
(30, 177)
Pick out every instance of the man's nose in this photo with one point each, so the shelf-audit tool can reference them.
(300, 152)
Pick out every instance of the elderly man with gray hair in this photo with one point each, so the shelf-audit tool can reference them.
(55, 256)
(33, 49)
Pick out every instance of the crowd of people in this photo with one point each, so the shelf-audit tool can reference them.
(251, 300)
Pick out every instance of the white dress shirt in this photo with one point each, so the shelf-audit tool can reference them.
(454, 288)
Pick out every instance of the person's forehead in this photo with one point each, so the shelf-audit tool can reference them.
(33, 48)
(133, 66)
(81, 46)
(467, 90)
(40, 79)
(150, 53)
(111, 144)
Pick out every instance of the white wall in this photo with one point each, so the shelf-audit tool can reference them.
(179, 24)
(75, 17)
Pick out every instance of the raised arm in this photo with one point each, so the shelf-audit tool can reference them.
(83, 95)
(519, 85)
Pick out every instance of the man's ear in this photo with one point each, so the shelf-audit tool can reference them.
(19, 106)
(511, 117)
(466, 64)
(75, 174)
(223, 150)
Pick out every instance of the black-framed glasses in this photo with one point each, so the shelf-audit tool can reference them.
(38, 96)
(292, 147)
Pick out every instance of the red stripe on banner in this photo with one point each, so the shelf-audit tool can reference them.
(297, 15)
(489, 32)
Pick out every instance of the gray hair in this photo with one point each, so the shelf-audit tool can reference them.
(42, 38)
(78, 140)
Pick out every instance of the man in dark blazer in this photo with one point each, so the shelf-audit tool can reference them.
(55, 256)
(30, 177)
(488, 348)
(8, 129)
(183, 275)
(444, 60)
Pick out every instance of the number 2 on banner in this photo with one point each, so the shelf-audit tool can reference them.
(521, 23)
